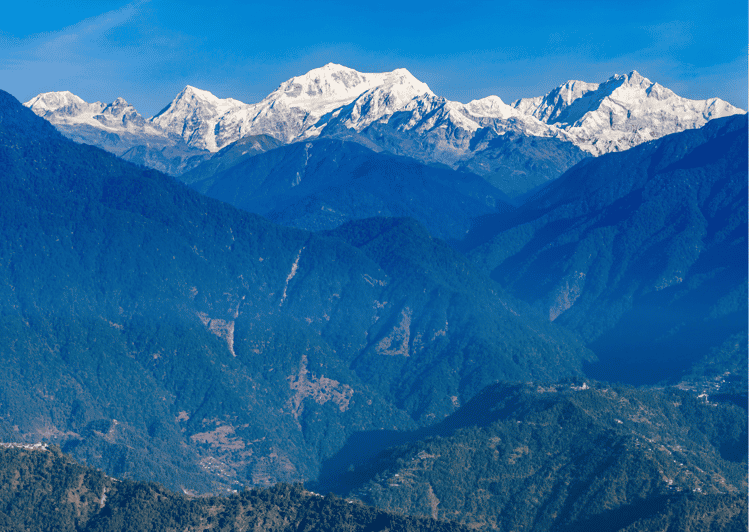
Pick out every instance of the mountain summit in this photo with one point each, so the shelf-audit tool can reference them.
(298, 107)
(326, 88)
(624, 111)
(193, 116)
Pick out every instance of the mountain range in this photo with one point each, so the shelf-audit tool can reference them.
(397, 113)
(322, 183)
(254, 350)
(43, 489)
(432, 287)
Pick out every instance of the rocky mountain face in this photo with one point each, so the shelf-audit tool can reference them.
(571, 456)
(395, 112)
(642, 252)
(193, 116)
(119, 129)
(622, 112)
(158, 333)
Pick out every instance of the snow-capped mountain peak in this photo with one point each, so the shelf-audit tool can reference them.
(194, 92)
(291, 111)
(548, 108)
(638, 87)
(193, 116)
(490, 107)
(388, 93)
(61, 104)
(190, 99)
(326, 88)
(572, 100)
(120, 113)
(633, 79)
(53, 100)
(302, 105)
(119, 107)
(623, 111)
(404, 85)
(403, 78)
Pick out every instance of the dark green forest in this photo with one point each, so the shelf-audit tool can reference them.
(556, 456)
(45, 490)
(643, 253)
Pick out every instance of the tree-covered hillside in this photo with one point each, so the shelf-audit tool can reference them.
(517, 164)
(323, 183)
(43, 489)
(163, 335)
(643, 253)
(566, 456)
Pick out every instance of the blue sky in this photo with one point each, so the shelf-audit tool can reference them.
(147, 51)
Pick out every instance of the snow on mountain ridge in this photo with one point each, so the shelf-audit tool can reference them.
(397, 90)
(547, 108)
(193, 116)
(628, 110)
(490, 107)
(62, 106)
(617, 114)
(120, 114)
(118, 128)
(298, 108)
(323, 89)
(66, 109)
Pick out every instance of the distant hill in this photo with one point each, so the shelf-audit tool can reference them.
(321, 184)
(230, 156)
(566, 456)
(44, 489)
(163, 335)
(643, 253)
(517, 164)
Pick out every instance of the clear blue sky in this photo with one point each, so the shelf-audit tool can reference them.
(147, 51)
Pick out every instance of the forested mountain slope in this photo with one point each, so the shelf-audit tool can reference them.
(566, 456)
(323, 183)
(43, 489)
(644, 253)
(160, 334)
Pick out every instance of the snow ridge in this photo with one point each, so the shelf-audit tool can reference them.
(65, 108)
(624, 111)
(334, 100)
